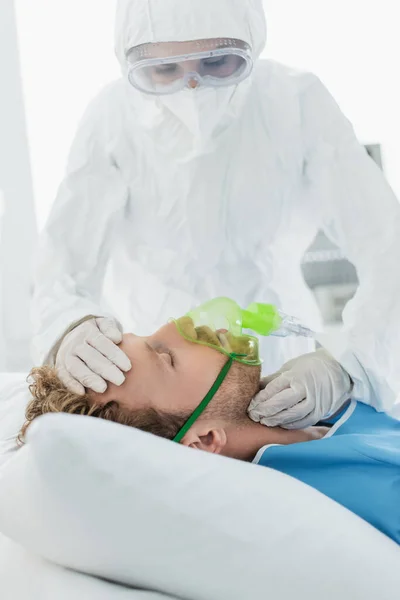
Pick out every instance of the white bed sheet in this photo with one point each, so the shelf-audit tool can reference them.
(26, 577)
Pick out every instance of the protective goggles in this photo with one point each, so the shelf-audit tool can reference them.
(213, 63)
(218, 325)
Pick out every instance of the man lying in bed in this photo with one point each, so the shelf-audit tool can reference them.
(193, 384)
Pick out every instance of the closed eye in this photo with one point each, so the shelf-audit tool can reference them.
(216, 61)
(160, 348)
(166, 69)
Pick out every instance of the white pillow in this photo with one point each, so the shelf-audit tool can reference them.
(24, 576)
(117, 503)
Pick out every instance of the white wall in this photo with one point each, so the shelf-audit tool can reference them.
(17, 219)
(354, 47)
(67, 55)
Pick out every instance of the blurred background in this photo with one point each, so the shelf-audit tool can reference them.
(54, 58)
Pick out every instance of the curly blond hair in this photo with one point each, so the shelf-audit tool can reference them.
(49, 395)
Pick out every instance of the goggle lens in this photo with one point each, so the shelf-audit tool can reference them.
(227, 63)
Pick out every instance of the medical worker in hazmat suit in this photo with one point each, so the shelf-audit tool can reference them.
(202, 172)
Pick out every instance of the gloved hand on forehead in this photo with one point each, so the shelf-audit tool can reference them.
(302, 393)
(88, 356)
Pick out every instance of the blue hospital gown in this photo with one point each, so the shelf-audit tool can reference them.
(357, 464)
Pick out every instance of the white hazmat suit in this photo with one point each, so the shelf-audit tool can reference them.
(170, 201)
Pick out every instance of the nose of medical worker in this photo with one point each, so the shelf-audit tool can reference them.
(193, 83)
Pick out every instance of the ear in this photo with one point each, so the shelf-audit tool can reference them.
(208, 439)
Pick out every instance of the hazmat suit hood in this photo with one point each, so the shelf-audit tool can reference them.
(153, 21)
(186, 124)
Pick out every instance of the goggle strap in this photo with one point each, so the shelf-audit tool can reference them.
(203, 405)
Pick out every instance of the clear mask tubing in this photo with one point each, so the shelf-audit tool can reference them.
(219, 325)
(213, 63)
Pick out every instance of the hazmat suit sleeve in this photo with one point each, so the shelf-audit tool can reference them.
(360, 213)
(75, 245)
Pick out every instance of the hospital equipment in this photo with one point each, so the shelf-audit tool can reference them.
(219, 323)
(264, 319)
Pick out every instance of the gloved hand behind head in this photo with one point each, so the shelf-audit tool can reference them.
(88, 356)
(304, 391)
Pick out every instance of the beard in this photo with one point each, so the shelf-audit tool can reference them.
(233, 398)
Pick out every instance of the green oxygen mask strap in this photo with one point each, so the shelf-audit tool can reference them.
(203, 405)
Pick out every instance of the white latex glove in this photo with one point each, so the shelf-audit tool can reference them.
(88, 356)
(304, 391)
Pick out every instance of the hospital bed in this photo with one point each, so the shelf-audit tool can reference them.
(231, 532)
